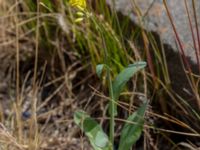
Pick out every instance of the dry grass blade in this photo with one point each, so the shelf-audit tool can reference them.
(187, 146)
(182, 53)
(7, 140)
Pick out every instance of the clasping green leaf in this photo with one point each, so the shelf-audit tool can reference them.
(123, 77)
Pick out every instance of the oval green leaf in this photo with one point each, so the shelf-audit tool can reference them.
(99, 69)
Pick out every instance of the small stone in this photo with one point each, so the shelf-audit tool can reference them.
(26, 115)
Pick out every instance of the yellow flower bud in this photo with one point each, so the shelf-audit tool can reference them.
(80, 14)
(78, 20)
(80, 4)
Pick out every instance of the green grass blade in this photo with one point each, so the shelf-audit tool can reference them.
(47, 4)
(123, 77)
(132, 132)
(98, 139)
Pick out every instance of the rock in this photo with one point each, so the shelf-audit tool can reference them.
(155, 19)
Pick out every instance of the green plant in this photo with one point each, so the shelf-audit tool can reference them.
(92, 129)
(130, 132)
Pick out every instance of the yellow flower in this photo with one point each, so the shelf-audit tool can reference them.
(80, 4)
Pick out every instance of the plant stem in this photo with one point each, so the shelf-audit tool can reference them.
(111, 107)
(109, 80)
(111, 103)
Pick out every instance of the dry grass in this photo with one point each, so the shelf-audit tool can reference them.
(38, 93)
